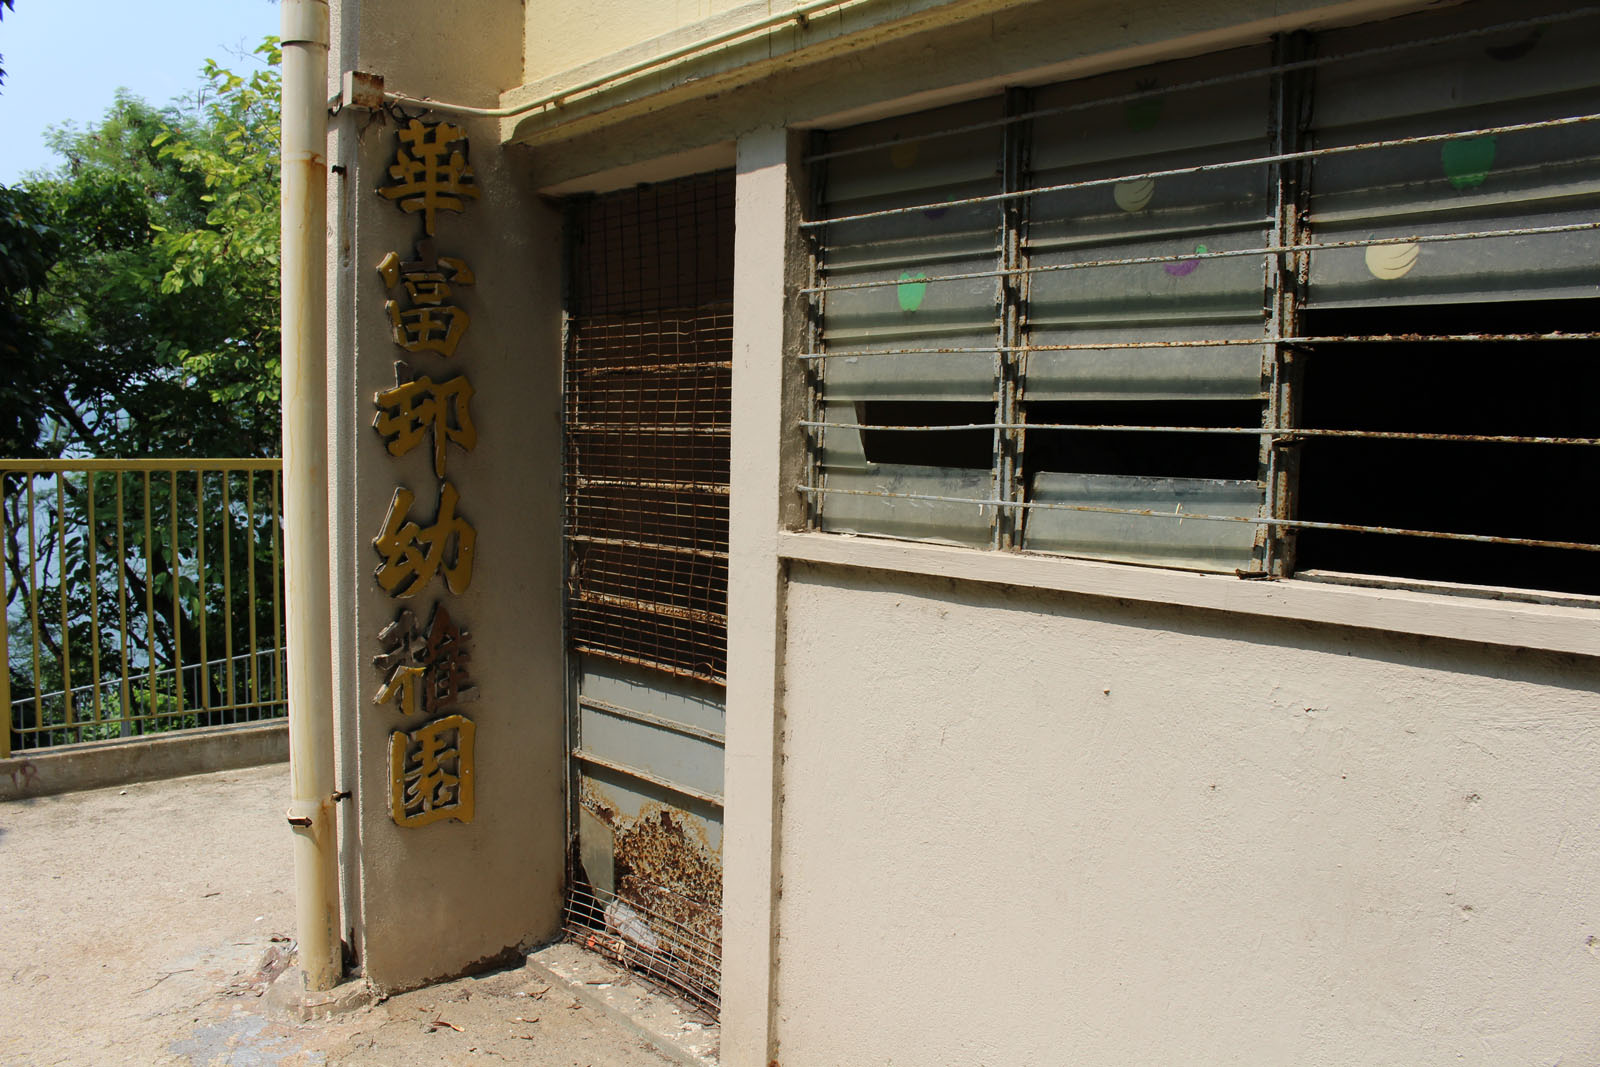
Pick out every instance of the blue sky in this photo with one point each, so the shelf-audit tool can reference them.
(65, 60)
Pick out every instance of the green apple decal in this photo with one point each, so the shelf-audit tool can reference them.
(911, 290)
(1467, 163)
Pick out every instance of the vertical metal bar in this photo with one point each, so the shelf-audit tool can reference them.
(5, 634)
(1009, 361)
(201, 612)
(250, 587)
(61, 579)
(124, 694)
(92, 547)
(177, 601)
(149, 596)
(227, 593)
(1278, 458)
(33, 599)
(815, 239)
(277, 593)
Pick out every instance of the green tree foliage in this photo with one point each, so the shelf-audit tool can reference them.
(155, 329)
(29, 245)
(139, 318)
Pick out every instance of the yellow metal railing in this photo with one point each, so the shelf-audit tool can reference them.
(138, 597)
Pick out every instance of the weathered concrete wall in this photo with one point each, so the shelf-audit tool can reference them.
(174, 755)
(1025, 827)
(448, 897)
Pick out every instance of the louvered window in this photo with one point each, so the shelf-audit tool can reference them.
(1322, 306)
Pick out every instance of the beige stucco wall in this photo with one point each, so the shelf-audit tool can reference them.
(562, 34)
(1023, 827)
(445, 898)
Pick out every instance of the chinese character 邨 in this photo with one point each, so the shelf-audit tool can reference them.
(423, 407)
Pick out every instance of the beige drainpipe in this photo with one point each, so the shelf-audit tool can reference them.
(305, 488)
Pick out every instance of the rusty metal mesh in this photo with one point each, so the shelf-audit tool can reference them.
(648, 381)
(675, 956)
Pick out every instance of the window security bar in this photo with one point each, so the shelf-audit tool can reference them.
(1256, 520)
(1298, 342)
(1186, 257)
(1209, 168)
(1289, 433)
(1449, 412)
(1209, 83)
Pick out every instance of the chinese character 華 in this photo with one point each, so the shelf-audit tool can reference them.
(430, 172)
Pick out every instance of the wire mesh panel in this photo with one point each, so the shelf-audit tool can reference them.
(648, 414)
(649, 368)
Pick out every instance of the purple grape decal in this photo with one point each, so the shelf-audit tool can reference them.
(1185, 267)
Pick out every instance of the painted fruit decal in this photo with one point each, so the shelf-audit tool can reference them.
(1134, 196)
(1389, 262)
(912, 290)
(1467, 163)
(1185, 267)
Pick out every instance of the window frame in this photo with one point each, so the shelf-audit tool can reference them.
(1288, 271)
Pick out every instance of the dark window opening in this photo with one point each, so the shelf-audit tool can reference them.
(1144, 453)
(1506, 388)
(971, 449)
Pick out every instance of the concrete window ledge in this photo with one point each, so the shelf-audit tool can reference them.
(1552, 627)
(72, 768)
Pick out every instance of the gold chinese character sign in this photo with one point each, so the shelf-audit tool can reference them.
(427, 673)
(422, 408)
(413, 554)
(430, 172)
(429, 323)
(431, 772)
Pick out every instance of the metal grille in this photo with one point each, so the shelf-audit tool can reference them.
(673, 955)
(1291, 227)
(648, 378)
(138, 597)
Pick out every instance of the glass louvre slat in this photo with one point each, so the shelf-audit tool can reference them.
(1509, 181)
(1173, 541)
(884, 499)
(909, 312)
(1175, 301)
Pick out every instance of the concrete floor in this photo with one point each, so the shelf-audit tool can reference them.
(140, 925)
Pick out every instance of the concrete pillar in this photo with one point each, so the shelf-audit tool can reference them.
(764, 328)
